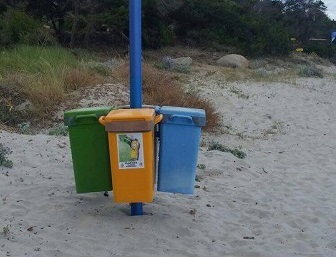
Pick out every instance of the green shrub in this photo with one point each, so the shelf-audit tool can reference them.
(201, 166)
(266, 39)
(4, 151)
(323, 49)
(24, 128)
(156, 32)
(17, 27)
(59, 131)
(238, 92)
(42, 36)
(219, 147)
(6, 231)
(310, 71)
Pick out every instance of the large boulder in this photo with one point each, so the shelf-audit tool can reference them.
(233, 61)
(182, 64)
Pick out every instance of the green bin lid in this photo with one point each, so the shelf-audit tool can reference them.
(85, 115)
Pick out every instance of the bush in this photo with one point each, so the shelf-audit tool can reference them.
(207, 21)
(156, 32)
(17, 27)
(60, 130)
(267, 39)
(310, 71)
(325, 49)
(219, 147)
(3, 158)
(42, 36)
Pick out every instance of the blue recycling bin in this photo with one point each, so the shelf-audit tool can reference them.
(179, 135)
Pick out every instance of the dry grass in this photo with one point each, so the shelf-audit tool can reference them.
(47, 90)
(77, 78)
(161, 88)
(44, 93)
(43, 76)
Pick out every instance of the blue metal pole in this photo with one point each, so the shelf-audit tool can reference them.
(135, 53)
(135, 70)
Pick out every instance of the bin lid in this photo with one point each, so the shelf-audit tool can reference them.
(140, 114)
(196, 115)
(85, 115)
(130, 120)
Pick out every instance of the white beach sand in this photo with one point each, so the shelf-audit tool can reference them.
(279, 201)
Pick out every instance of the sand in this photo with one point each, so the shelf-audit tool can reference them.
(279, 201)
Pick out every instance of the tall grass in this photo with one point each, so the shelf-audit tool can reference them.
(44, 74)
(32, 59)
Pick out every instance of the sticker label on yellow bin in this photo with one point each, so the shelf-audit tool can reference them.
(130, 150)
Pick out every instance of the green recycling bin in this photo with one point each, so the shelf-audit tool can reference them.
(89, 149)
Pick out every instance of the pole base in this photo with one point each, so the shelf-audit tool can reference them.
(136, 209)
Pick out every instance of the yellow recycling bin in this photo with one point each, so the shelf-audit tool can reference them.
(131, 146)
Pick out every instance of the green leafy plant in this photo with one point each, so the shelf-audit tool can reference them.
(24, 128)
(4, 151)
(198, 178)
(219, 147)
(201, 166)
(5, 230)
(59, 131)
(310, 71)
(17, 26)
(239, 93)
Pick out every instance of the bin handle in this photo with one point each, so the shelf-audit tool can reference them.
(102, 120)
(158, 118)
(176, 116)
(84, 116)
(127, 106)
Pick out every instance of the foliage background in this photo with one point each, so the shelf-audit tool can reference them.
(252, 27)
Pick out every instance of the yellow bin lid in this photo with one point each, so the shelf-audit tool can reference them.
(145, 114)
(130, 120)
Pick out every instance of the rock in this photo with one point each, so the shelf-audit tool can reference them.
(233, 61)
(182, 61)
(182, 64)
(26, 105)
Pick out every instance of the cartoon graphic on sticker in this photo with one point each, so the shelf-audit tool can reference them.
(130, 150)
(135, 146)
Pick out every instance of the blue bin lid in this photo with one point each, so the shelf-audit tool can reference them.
(196, 115)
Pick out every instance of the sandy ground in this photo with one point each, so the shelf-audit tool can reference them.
(279, 201)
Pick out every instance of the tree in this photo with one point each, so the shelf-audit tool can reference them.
(53, 11)
(271, 10)
(202, 21)
(75, 21)
(305, 18)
